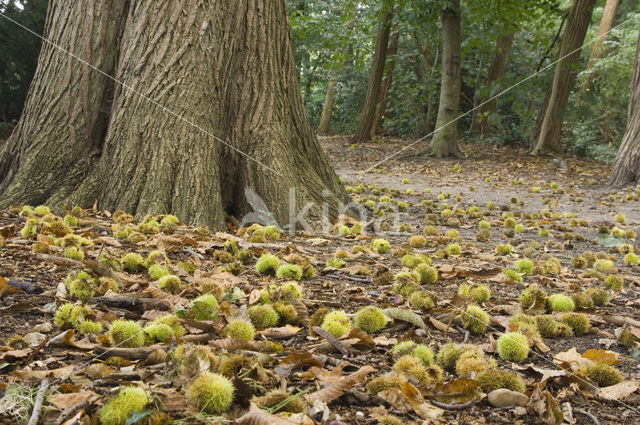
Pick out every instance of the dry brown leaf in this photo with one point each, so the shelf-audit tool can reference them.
(331, 339)
(396, 399)
(286, 331)
(62, 372)
(363, 340)
(175, 300)
(294, 360)
(573, 358)
(15, 354)
(441, 326)
(422, 408)
(543, 403)
(98, 371)
(324, 375)
(459, 390)
(619, 391)
(335, 390)
(301, 309)
(257, 416)
(63, 401)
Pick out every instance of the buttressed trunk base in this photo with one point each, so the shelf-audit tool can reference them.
(203, 68)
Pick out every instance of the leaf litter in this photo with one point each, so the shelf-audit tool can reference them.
(291, 341)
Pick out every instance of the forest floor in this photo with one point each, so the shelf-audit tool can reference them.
(333, 380)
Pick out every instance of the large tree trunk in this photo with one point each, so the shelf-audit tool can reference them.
(327, 108)
(573, 37)
(496, 71)
(189, 71)
(385, 87)
(445, 140)
(606, 23)
(365, 124)
(626, 167)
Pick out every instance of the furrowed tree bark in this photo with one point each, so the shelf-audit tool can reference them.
(626, 167)
(606, 23)
(445, 140)
(327, 108)
(365, 124)
(221, 67)
(496, 71)
(573, 37)
(385, 87)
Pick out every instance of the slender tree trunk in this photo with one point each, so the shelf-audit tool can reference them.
(428, 77)
(573, 37)
(606, 23)
(496, 71)
(626, 167)
(365, 125)
(222, 67)
(383, 97)
(445, 140)
(327, 108)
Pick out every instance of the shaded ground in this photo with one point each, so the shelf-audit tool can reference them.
(581, 190)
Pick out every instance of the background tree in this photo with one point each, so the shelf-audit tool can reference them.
(445, 140)
(606, 23)
(82, 138)
(497, 69)
(19, 55)
(626, 168)
(572, 39)
(365, 125)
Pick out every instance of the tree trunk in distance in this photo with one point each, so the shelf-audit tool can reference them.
(496, 71)
(606, 23)
(222, 67)
(327, 108)
(572, 39)
(383, 97)
(365, 124)
(626, 167)
(445, 140)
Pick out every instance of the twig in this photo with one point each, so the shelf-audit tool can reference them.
(354, 279)
(323, 302)
(37, 405)
(588, 415)
(445, 406)
(70, 411)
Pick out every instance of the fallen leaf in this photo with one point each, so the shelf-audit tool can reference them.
(63, 401)
(336, 389)
(619, 391)
(283, 332)
(257, 416)
(41, 374)
(601, 356)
